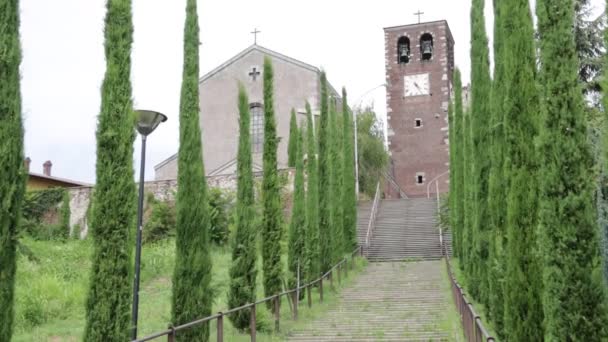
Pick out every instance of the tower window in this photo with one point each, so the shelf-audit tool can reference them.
(419, 177)
(418, 123)
(257, 127)
(403, 50)
(426, 46)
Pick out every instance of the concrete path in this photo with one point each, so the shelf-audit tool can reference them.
(390, 301)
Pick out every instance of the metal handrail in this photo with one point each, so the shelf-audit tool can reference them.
(171, 331)
(372, 217)
(436, 180)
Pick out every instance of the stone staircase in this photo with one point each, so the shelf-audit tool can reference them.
(406, 229)
(389, 301)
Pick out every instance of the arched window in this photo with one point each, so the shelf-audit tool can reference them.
(403, 50)
(426, 46)
(257, 127)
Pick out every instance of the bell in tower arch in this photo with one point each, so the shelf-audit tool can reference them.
(403, 50)
(426, 46)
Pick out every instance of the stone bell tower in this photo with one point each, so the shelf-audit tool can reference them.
(419, 64)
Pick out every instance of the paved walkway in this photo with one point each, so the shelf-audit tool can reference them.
(390, 301)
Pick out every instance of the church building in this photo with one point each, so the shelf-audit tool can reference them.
(419, 62)
(295, 82)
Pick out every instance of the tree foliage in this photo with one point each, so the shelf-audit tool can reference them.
(349, 196)
(312, 201)
(335, 151)
(192, 293)
(108, 309)
(271, 193)
(523, 308)
(458, 176)
(325, 195)
(292, 147)
(297, 226)
(243, 272)
(574, 293)
(373, 157)
(12, 172)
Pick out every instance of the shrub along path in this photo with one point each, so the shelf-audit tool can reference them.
(391, 301)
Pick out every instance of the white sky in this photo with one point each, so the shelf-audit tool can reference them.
(63, 60)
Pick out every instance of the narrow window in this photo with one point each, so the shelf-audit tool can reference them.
(257, 127)
(420, 178)
(426, 46)
(418, 123)
(403, 50)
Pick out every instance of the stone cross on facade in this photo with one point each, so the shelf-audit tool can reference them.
(254, 73)
(419, 14)
(255, 36)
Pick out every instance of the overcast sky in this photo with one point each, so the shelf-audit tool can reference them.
(63, 60)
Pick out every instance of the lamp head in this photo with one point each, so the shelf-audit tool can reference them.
(148, 120)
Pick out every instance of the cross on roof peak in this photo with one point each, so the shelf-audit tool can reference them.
(255, 35)
(419, 14)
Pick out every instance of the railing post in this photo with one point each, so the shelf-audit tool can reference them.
(321, 290)
(220, 327)
(252, 323)
(296, 300)
(277, 312)
(171, 336)
(308, 295)
(331, 278)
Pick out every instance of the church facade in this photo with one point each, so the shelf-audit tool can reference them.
(419, 62)
(295, 82)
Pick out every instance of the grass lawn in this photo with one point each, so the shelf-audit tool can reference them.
(52, 287)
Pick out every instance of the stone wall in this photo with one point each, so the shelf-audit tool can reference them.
(163, 190)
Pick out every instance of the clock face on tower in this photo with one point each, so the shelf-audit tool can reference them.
(416, 85)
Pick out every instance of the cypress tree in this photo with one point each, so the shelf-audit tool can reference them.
(523, 307)
(467, 233)
(573, 293)
(452, 195)
(292, 147)
(271, 193)
(297, 226)
(458, 176)
(312, 200)
(480, 113)
(325, 194)
(497, 184)
(12, 173)
(349, 196)
(336, 184)
(243, 272)
(192, 293)
(108, 308)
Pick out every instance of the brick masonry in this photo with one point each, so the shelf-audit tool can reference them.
(419, 151)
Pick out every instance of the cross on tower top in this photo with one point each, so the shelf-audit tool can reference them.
(419, 14)
(255, 35)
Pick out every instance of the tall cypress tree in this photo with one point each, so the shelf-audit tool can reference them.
(12, 173)
(292, 146)
(192, 294)
(349, 196)
(336, 184)
(480, 114)
(574, 292)
(325, 195)
(523, 307)
(458, 176)
(467, 233)
(452, 195)
(243, 272)
(297, 226)
(312, 201)
(497, 184)
(271, 192)
(108, 309)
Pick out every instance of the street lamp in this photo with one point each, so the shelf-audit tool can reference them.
(147, 121)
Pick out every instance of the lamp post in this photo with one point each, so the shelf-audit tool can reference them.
(147, 121)
(358, 102)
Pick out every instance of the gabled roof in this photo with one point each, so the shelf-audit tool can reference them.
(67, 182)
(262, 50)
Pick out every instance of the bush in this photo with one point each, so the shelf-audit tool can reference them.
(220, 210)
(161, 222)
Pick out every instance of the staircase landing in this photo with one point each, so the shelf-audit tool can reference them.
(390, 301)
